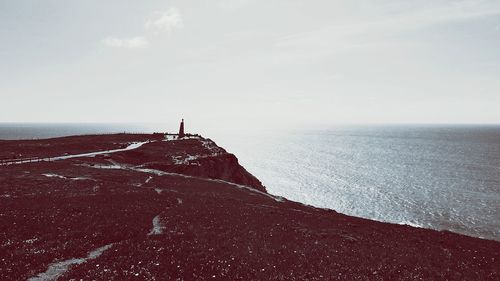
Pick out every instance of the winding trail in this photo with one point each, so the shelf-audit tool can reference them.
(55, 270)
(116, 165)
(89, 154)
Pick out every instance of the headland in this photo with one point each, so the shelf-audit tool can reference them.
(146, 207)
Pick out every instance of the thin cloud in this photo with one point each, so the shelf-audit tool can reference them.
(128, 43)
(165, 21)
(338, 37)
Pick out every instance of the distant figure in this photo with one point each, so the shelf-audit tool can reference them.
(181, 130)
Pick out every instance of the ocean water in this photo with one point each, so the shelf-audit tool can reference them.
(12, 131)
(439, 177)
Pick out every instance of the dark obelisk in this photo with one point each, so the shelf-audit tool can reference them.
(181, 130)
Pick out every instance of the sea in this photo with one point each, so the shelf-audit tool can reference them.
(444, 177)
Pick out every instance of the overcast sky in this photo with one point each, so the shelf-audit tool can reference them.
(250, 63)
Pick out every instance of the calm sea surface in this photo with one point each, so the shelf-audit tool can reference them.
(445, 177)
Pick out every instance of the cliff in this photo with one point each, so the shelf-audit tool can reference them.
(198, 157)
(224, 167)
(186, 210)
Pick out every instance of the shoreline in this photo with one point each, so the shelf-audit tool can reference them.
(182, 193)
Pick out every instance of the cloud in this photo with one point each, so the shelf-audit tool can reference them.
(358, 34)
(165, 21)
(128, 43)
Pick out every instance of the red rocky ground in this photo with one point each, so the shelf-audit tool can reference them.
(192, 223)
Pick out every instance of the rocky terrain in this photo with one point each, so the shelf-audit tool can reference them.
(139, 207)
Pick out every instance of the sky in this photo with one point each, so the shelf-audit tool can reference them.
(250, 64)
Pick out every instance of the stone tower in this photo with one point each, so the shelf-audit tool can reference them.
(181, 130)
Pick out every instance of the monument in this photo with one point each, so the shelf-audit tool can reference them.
(181, 130)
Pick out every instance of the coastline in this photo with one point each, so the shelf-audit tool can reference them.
(182, 197)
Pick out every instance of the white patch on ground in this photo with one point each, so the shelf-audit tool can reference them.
(7, 243)
(30, 241)
(188, 159)
(170, 137)
(157, 226)
(179, 201)
(176, 137)
(410, 224)
(212, 147)
(55, 270)
(54, 176)
(66, 178)
(158, 190)
(148, 179)
(151, 171)
(110, 167)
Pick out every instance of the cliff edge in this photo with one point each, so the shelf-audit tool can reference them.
(194, 156)
(138, 207)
